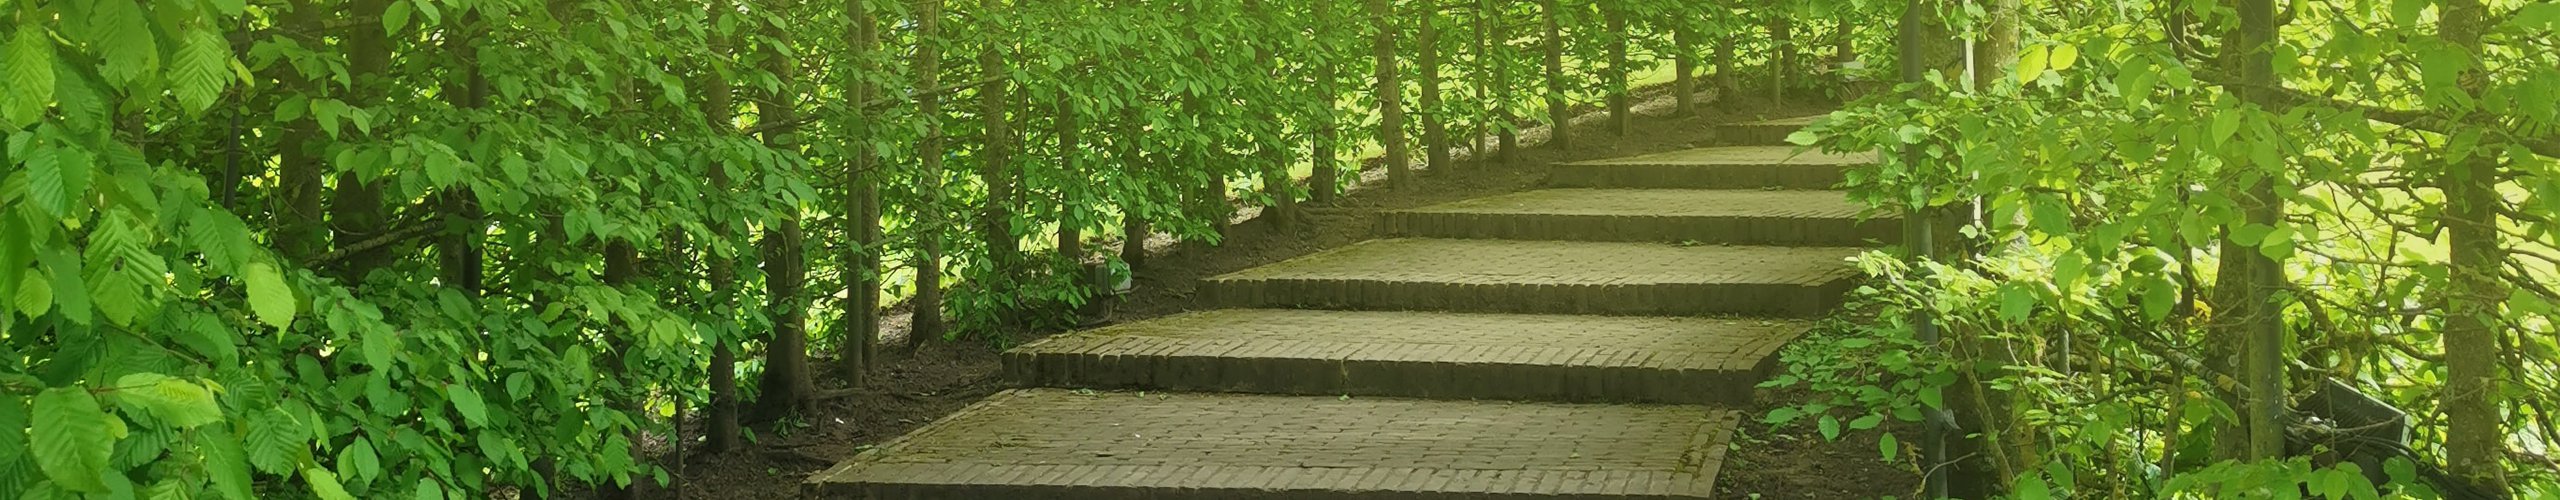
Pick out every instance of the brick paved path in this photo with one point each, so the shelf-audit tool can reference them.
(1576, 342)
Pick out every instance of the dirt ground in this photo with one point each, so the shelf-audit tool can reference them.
(944, 377)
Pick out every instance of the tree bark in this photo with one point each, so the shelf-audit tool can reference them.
(2475, 431)
(1274, 154)
(302, 227)
(1684, 69)
(1559, 119)
(1071, 214)
(1435, 126)
(722, 430)
(1325, 178)
(458, 250)
(1621, 114)
(2247, 325)
(861, 267)
(1390, 93)
(926, 322)
(787, 385)
(356, 209)
(1507, 135)
(995, 165)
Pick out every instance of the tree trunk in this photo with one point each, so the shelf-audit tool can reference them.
(995, 166)
(2247, 321)
(1782, 56)
(722, 431)
(302, 228)
(1134, 229)
(926, 322)
(1559, 119)
(621, 265)
(861, 266)
(1507, 140)
(1274, 159)
(787, 386)
(357, 208)
(1483, 92)
(1621, 114)
(1726, 83)
(1390, 93)
(1435, 126)
(1684, 69)
(1325, 178)
(458, 250)
(1070, 159)
(2475, 434)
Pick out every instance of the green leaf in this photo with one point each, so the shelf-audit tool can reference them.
(225, 462)
(124, 41)
(1889, 447)
(71, 438)
(50, 181)
(268, 296)
(394, 17)
(29, 63)
(1803, 137)
(2405, 12)
(172, 400)
(2031, 64)
(1782, 415)
(1830, 427)
(2063, 57)
(276, 442)
(357, 462)
(468, 402)
(428, 490)
(1867, 422)
(201, 71)
(325, 485)
(2016, 302)
(2034, 488)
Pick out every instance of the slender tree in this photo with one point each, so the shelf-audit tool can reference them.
(1324, 179)
(995, 162)
(786, 386)
(1621, 114)
(926, 321)
(1559, 122)
(2475, 431)
(1389, 92)
(722, 432)
(1435, 126)
(2247, 320)
(861, 267)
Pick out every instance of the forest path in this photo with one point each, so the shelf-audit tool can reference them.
(1585, 341)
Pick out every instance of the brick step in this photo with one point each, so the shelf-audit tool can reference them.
(1058, 444)
(1764, 132)
(1615, 359)
(1732, 167)
(1547, 277)
(1740, 217)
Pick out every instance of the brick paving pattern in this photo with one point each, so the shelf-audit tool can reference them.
(1418, 354)
(1569, 343)
(1733, 167)
(1547, 277)
(1055, 443)
(1754, 217)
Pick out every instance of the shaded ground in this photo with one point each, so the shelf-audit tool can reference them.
(944, 377)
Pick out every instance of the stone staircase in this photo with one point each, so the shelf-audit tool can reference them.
(1591, 340)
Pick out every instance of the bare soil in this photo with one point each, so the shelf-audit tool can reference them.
(913, 389)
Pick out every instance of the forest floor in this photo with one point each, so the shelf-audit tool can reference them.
(942, 377)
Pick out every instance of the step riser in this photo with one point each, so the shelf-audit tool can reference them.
(1775, 231)
(1641, 176)
(1423, 373)
(1116, 492)
(1675, 299)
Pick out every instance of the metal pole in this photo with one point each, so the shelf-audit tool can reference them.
(1919, 245)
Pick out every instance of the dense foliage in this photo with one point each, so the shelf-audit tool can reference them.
(2180, 217)
(444, 248)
